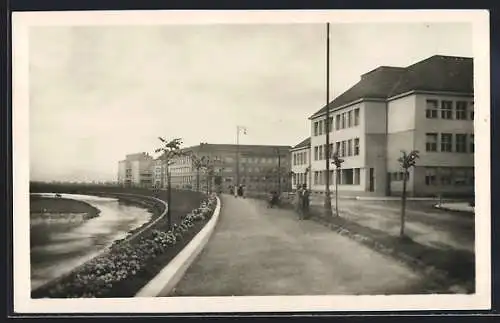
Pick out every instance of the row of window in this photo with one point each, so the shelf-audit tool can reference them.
(348, 176)
(446, 143)
(449, 176)
(399, 176)
(345, 148)
(300, 158)
(343, 120)
(447, 109)
(299, 179)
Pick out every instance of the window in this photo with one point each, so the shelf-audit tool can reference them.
(331, 150)
(356, 146)
(471, 143)
(320, 153)
(445, 176)
(337, 122)
(431, 141)
(349, 147)
(320, 127)
(446, 139)
(461, 143)
(337, 147)
(446, 109)
(316, 128)
(461, 110)
(349, 119)
(348, 176)
(356, 176)
(460, 176)
(294, 159)
(430, 176)
(356, 116)
(343, 150)
(431, 109)
(316, 153)
(316, 176)
(331, 124)
(343, 121)
(471, 109)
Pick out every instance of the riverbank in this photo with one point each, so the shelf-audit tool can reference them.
(153, 255)
(40, 205)
(68, 245)
(50, 215)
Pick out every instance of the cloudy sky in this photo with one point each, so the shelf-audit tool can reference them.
(98, 93)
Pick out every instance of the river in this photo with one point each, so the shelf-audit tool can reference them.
(67, 250)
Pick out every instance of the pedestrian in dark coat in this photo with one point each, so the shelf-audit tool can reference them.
(305, 201)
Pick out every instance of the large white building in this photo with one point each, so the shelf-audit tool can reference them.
(428, 106)
(136, 170)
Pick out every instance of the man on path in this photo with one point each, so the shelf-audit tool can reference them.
(298, 201)
(305, 202)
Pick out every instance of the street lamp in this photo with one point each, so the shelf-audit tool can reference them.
(277, 150)
(328, 201)
(238, 130)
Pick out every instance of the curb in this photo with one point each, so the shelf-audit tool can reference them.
(164, 282)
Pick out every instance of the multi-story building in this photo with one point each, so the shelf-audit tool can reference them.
(136, 170)
(427, 106)
(158, 173)
(258, 169)
(301, 163)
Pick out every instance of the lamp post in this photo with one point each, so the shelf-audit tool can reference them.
(328, 201)
(277, 150)
(238, 130)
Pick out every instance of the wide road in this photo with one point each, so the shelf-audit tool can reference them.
(257, 251)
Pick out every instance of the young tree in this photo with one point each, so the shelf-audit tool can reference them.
(337, 161)
(169, 151)
(407, 160)
(197, 164)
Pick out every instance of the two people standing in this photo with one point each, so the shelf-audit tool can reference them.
(239, 191)
(302, 201)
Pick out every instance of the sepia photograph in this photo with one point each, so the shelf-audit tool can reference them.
(251, 161)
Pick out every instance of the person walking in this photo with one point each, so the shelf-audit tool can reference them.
(298, 201)
(305, 202)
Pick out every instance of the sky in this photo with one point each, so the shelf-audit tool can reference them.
(98, 93)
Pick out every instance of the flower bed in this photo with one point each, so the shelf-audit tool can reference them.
(128, 266)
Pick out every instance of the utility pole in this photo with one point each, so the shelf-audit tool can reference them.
(328, 201)
(238, 129)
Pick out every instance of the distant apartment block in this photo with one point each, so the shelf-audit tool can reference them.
(427, 106)
(136, 170)
(260, 167)
(301, 162)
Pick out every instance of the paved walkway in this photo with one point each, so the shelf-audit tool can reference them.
(258, 251)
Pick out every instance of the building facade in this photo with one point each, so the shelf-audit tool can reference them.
(259, 168)
(301, 163)
(136, 170)
(428, 106)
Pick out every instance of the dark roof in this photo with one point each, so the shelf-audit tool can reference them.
(304, 143)
(437, 73)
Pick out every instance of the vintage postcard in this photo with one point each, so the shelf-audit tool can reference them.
(251, 161)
